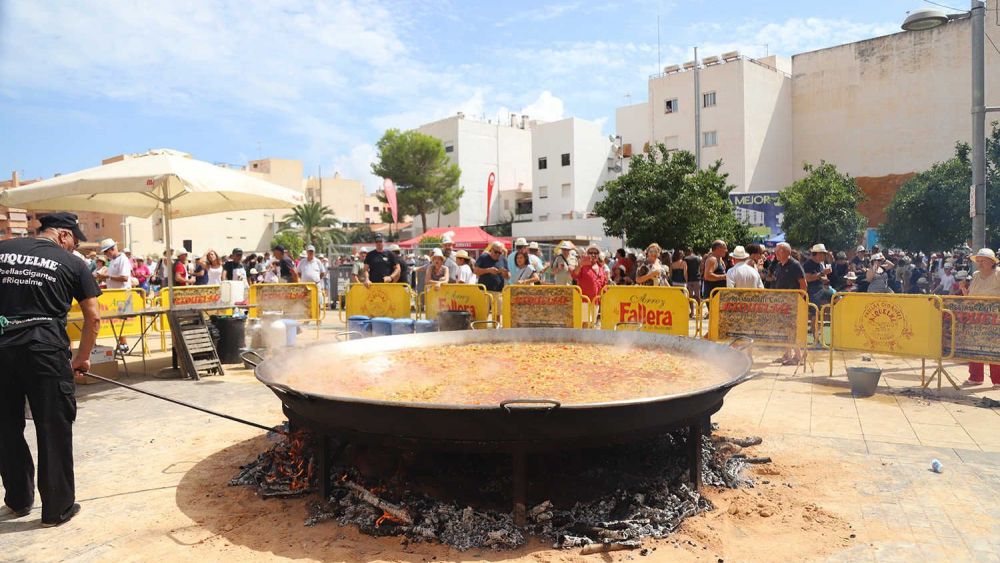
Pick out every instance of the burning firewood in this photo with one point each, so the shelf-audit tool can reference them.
(390, 511)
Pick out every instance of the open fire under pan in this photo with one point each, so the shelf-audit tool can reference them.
(518, 425)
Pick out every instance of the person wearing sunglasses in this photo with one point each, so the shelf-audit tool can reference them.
(590, 274)
(40, 279)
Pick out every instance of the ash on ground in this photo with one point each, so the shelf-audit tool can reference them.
(601, 499)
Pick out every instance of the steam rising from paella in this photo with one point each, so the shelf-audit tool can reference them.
(488, 373)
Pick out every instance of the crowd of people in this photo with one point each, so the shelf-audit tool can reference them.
(113, 268)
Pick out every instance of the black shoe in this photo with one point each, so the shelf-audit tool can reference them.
(66, 517)
(17, 513)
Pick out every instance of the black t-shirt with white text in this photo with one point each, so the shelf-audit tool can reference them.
(285, 269)
(38, 282)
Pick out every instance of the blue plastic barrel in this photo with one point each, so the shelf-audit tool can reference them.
(381, 326)
(402, 326)
(361, 324)
(424, 325)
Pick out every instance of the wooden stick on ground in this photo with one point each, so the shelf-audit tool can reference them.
(364, 494)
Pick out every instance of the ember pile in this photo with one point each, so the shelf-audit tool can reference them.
(598, 499)
(288, 469)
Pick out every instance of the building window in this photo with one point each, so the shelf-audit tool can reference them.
(368, 207)
(565, 190)
(375, 209)
(543, 192)
(710, 138)
(543, 217)
(449, 147)
(565, 159)
(543, 163)
(670, 106)
(708, 99)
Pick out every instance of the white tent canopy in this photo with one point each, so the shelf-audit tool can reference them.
(160, 179)
(140, 185)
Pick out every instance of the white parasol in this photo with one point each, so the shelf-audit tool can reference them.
(161, 179)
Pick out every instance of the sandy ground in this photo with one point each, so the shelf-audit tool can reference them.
(152, 478)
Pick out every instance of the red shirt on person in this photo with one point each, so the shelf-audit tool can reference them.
(591, 280)
(180, 268)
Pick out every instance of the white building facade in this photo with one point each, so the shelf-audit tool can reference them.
(481, 148)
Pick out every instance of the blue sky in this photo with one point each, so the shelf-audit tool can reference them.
(230, 81)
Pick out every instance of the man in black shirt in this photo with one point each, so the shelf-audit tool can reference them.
(39, 279)
(816, 271)
(788, 274)
(286, 268)
(490, 268)
(380, 266)
(233, 269)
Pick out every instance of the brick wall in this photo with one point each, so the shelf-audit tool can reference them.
(879, 191)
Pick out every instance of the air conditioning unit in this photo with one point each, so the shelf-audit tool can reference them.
(671, 69)
(689, 65)
(730, 56)
(710, 61)
(627, 150)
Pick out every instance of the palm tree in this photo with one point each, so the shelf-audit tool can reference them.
(309, 220)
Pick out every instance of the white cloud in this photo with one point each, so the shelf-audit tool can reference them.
(539, 13)
(546, 108)
(356, 165)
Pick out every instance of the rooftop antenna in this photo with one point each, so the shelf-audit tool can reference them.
(628, 98)
(659, 65)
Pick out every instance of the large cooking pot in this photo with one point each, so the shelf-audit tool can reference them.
(518, 422)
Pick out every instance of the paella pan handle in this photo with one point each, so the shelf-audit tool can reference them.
(741, 343)
(485, 324)
(348, 334)
(245, 356)
(287, 390)
(530, 405)
(636, 326)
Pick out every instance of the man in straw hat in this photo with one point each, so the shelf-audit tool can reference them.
(119, 272)
(816, 271)
(563, 264)
(744, 274)
(985, 283)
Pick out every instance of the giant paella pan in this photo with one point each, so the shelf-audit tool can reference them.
(511, 388)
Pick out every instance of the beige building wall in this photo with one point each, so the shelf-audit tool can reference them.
(347, 198)
(887, 107)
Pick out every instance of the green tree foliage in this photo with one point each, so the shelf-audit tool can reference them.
(309, 221)
(291, 241)
(665, 198)
(424, 176)
(930, 211)
(361, 233)
(823, 208)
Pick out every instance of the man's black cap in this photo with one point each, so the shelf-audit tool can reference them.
(237, 251)
(379, 237)
(278, 248)
(62, 220)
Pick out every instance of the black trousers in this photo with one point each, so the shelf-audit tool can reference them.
(43, 375)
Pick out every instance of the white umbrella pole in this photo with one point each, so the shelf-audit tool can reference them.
(166, 236)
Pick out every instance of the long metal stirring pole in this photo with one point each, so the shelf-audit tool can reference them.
(188, 405)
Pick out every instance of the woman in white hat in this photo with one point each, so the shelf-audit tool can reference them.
(878, 275)
(465, 274)
(985, 283)
(436, 273)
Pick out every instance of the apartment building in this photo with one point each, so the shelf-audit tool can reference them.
(571, 158)
(481, 148)
(347, 198)
(880, 109)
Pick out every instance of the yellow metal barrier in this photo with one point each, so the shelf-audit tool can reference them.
(457, 297)
(974, 336)
(294, 300)
(657, 309)
(769, 316)
(112, 302)
(379, 300)
(892, 324)
(543, 306)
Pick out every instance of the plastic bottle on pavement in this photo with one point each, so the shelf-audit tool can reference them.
(936, 466)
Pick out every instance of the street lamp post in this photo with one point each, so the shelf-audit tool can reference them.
(929, 19)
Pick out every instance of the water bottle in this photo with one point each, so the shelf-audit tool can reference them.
(936, 466)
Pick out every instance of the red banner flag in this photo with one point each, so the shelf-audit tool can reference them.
(390, 195)
(489, 194)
